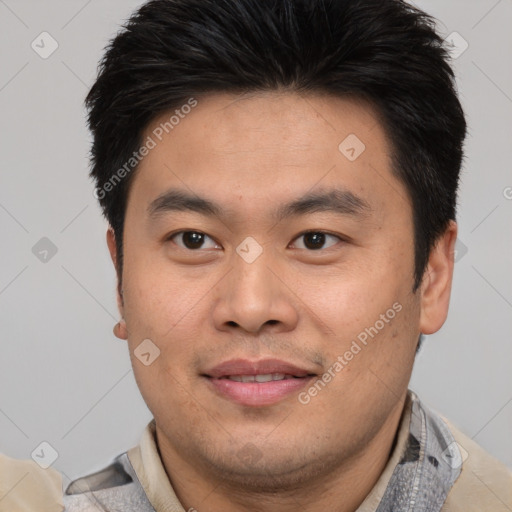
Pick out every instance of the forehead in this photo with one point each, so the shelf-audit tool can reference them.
(268, 144)
(277, 123)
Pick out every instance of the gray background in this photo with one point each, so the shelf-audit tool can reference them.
(65, 379)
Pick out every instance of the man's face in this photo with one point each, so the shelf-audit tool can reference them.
(245, 285)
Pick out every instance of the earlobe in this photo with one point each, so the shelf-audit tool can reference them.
(437, 282)
(120, 330)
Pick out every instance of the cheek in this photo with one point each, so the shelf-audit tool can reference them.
(347, 301)
(159, 301)
(367, 316)
(164, 389)
(388, 344)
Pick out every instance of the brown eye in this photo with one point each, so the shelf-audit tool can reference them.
(192, 240)
(315, 240)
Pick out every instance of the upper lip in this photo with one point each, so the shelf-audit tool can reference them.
(263, 367)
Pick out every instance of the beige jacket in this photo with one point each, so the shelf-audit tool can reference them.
(25, 487)
(484, 484)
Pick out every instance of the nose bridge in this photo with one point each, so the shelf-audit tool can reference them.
(252, 281)
(252, 295)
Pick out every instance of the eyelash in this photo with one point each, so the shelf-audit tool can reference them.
(341, 239)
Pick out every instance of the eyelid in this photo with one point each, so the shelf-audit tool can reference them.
(339, 237)
(170, 237)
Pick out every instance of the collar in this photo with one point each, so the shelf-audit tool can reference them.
(424, 463)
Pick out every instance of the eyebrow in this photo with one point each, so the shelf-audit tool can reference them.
(340, 201)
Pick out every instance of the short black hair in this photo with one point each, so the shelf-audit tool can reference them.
(386, 52)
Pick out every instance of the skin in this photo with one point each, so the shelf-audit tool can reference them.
(251, 154)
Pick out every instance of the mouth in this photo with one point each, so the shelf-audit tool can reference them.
(264, 377)
(257, 383)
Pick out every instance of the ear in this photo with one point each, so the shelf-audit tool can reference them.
(437, 282)
(111, 242)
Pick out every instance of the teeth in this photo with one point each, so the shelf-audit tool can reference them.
(264, 378)
(267, 377)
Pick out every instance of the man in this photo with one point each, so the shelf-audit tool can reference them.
(280, 182)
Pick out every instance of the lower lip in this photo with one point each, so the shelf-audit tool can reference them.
(258, 393)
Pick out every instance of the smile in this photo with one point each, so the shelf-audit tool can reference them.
(257, 383)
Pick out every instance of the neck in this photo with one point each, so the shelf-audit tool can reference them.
(339, 489)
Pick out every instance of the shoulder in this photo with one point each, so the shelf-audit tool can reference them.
(26, 486)
(115, 487)
(484, 482)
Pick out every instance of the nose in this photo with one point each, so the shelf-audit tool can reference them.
(255, 296)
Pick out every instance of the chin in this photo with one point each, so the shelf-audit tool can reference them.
(269, 472)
